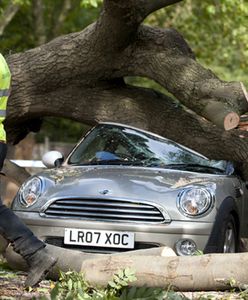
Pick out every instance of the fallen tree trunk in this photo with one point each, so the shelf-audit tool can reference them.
(194, 273)
(18, 174)
(71, 259)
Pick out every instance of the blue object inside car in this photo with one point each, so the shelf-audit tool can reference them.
(105, 155)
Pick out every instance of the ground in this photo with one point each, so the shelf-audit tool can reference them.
(12, 288)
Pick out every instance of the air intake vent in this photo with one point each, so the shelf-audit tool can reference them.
(105, 210)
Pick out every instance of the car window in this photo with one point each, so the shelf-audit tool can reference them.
(113, 144)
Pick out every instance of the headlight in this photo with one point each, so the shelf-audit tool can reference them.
(30, 191)
(195, 201)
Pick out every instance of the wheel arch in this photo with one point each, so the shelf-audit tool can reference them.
(228, 207)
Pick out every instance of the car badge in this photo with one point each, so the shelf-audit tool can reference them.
(104, 192)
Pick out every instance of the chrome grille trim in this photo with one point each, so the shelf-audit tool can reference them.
(105, 210)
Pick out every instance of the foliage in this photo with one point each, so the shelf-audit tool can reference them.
(80, 14)
(215, 30)
(5, 271)
(72, 286)
(90, 3)
(65, 130)
(198, 253)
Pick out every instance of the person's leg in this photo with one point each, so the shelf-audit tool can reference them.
(27, 245)
(17, 233)
(12, 228)
(23, 240)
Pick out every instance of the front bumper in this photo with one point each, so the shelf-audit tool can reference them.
(52, 230)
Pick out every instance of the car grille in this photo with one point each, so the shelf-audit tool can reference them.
(105, 210)
(59, 242)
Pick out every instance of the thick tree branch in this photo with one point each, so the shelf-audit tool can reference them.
(30, 68)
(84, 84)
(124, 18)
(140, 8)
(164, 56)
(143, 108)
(152, 6)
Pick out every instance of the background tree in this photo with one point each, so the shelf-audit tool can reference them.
(215, 30)
(83, 76)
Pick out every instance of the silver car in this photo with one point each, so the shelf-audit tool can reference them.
(122, 188)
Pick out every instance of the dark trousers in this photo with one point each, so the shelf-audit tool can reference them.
(13, 229)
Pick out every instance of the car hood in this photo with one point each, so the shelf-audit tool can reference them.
(120, 182)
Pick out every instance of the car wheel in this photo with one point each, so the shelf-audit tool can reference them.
(229, 238)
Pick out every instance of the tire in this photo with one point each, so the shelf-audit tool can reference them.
(228, 242)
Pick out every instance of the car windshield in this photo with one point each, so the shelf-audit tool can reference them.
(109, 144)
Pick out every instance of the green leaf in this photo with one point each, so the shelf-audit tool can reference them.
(142, 293)
(70, 283)
(112, 284)
(55, 292)
(90, 3)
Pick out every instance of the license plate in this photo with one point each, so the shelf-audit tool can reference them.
(99, 238)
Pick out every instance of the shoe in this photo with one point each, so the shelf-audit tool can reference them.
(39, 265)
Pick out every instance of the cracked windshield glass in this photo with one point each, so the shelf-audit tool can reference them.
(116, 145)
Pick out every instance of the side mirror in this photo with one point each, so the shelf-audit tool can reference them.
(52, 159)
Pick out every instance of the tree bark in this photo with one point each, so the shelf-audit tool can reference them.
(143, 108)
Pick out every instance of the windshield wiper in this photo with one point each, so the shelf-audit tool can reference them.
(153, 162)
(112, 162)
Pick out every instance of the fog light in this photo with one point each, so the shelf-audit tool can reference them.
(185, 247)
